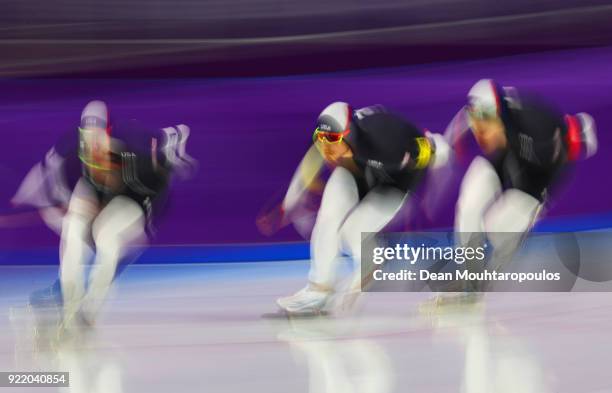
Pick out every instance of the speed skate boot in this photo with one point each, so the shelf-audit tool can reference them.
(305, 301)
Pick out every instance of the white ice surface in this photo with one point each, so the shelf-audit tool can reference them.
(199, 328)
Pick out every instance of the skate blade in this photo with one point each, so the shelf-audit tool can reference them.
(282, 314)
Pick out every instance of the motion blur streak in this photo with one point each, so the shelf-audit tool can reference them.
(211, 38)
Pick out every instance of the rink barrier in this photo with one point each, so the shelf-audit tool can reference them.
(259, 252)
(207, 253)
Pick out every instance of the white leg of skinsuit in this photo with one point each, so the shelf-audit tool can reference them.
(75, 247)
(372, 214)
(483, 208)
(119, 225)
(340, 221)
(479, 189)
(507, 221)
(339, 198)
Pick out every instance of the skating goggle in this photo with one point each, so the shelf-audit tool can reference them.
(481, 112)
(329, 137)
(92, 142)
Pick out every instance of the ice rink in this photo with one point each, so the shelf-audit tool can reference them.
(202, 328)
(248, 78)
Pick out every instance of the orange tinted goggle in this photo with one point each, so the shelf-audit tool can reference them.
(482, 113)
(94, 145)
(328, 137)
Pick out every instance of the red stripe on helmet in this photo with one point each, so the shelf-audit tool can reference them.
(108, 123)
(347, 130)
(497, 98)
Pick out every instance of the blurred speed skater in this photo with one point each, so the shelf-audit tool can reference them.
(106, 185)
(377, 158)
(526, 146)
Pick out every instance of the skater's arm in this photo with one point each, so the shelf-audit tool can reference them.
(45, 184)
(46, 188)
(174, 148)
(304, 178)
(457, 128)
(442, 154)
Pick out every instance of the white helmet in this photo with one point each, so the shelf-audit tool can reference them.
(484, 99)
(95, 115)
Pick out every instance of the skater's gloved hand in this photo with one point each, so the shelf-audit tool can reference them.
(271, 221)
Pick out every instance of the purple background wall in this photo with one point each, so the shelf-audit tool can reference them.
(249, 133)
(280, 37)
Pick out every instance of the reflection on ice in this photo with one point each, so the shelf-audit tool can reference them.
(173, 328)
(336, 360)
(494, 360)
(40, 345)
